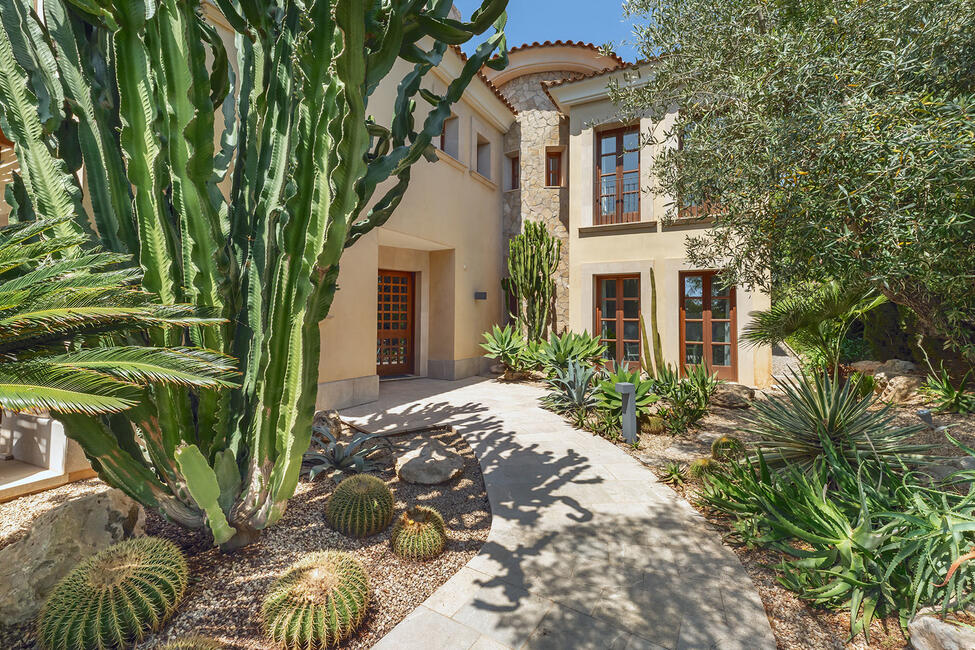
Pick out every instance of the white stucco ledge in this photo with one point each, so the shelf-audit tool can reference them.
(586, 548)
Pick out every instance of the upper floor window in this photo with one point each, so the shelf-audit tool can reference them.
(483, 156)
(450, 137)
(617, 176)
(553, 169)
(514, 174)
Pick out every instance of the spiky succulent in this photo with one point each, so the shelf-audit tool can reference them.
(703, 467)
(727, 447)
(674, 474)
(361, 505)
(194, 642)
(419, 534)
(318, 602)
(115, 596)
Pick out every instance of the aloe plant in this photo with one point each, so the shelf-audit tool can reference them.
(127, 98)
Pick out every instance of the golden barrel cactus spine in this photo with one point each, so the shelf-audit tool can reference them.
(419, 534)
(361, 505)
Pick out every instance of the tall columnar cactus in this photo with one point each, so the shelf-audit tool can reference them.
(533, 258)
(653, 364)
(126, 98)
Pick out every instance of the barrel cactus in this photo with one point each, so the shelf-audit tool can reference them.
(703, 467)
(419, 534)
(361, 505)
(654, 425)
(193, 643)
(726, 448)
(114, 597)
(318, 602)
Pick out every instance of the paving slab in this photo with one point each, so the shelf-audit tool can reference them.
(587, 549)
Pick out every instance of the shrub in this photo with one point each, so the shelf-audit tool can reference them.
(948, 398)
(611, 400)
(507, 346)
(686, 399)
(819, 417)
(701, 384)
(726, 447)
(559, 351)
(362, 505)
(193, 643)
(115, 596)
(419, 534)
(318, 602)
(334, 456)
(571, 389)
(863, 384)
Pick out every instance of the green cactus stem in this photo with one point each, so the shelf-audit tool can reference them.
(533, 259)
(361, 505)
(419, 534)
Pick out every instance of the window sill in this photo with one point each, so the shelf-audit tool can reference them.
(450, 160)
(513, 189)
(688, 223)
(483, 179)
(618, 228)
(555, 187)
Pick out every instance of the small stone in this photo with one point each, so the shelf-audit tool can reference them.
(929, 632)
(902, 389)
(899, 367)
(58, 540)
(329, 420)
(733, 396)
(866, 367)
(430, 463)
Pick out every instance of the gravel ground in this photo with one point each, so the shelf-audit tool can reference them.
(224, 597)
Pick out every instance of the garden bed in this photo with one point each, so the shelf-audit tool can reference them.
(224, 598)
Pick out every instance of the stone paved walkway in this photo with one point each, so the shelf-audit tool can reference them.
(586, 550)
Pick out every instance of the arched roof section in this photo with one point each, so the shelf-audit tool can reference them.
(569, 56)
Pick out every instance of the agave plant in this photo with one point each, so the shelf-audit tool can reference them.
(948, 397)
(559, 351)
(137, 102)
(571, 389)
(611, 400)
(353, 457)
(819, 414)
(73, 328)
(508, 346)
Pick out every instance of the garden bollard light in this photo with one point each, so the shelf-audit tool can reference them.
(628, 393)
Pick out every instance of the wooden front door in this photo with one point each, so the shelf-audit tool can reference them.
(395, 323)
(708, 324)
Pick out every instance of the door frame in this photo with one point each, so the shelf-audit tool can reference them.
(727, 373)
(410, 367)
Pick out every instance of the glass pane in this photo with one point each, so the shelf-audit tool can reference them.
(631, 140)
(694, 331)
(631, 351)
(609, 330)
(693, 307)
(609, 288)
(631, 160)
(720, 308)
(610, 353)
(608, 185)
(693, 354)
(631, 203)
(609, 307)
(631, 330)
(631, 288)
(721, 332)
(693, 286)
(609, 206)
(607, 144)
(631, 309)
(721, 355)
(718, 288)
(631, 182)
(608, 164)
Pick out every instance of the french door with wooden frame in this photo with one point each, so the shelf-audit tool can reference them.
(395, 323)
(708, 324)
(617, 176)
(618, 319)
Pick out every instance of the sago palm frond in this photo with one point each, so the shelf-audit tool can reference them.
(29, 387)
(148, 365)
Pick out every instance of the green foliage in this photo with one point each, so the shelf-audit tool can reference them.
(194, 642)
(820, 416)
(611, 400)
(571, 389)
(702, 468)
(508, 346)
(236, 186)
(864, 385)
(726, 448)
(352, 456)
(686, 400)
(318, 602)
(70, 311)
(947, 396)
(559, 351)
(674, 474)
(606, 424)
(533, 258)
(848, 125)
(419, 534)
(115, 596)
(360, 506)
(652, 365)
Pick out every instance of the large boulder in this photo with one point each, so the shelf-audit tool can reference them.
(902, 389)
(733, 396)
(866, 367)
(899, 367)
(429, 463)
(58, 540)
(930, 632)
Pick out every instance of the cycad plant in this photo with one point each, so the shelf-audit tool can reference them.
(127, 99)
(73, 328)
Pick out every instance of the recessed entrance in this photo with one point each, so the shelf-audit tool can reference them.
(395, 323)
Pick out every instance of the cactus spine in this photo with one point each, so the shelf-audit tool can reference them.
(318, 602)
(419, 534)
(194, 642)
(726, 448)
(361, 505)
(114, 597)
(251, 230)
(533, 258)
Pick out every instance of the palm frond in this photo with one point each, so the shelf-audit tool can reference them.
(149, 365)
(28, 387)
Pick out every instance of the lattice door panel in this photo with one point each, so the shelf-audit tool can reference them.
(394, 345)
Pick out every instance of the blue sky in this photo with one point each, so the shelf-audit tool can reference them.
(576, 20)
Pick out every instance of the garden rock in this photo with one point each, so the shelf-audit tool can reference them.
(733, 396)
(58, 540)
(901, 389)
(430, 463)
(899, 367)
(929, 632)
(866, 367)
(329, 420)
